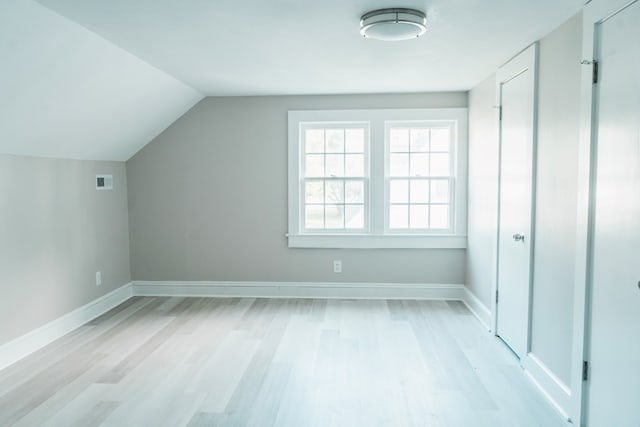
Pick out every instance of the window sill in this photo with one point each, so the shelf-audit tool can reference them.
(335, 241)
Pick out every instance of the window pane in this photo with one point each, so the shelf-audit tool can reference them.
(334, 191)
(354, 140)
(419, 216)
(314, 216)
(354, 216)
(399, 165)
(399, 191)
(335, 140)
(419, 164)
(419, 140)
(314, 165)
(314, 140)
(399, 140)
(440, 164)
(440, 139)
(439, 191)
(334, 216)
(439, 216)
(354, 191)
(334, 165)
(314, 192)
(354, 165)
(419, 191)
(398, 216)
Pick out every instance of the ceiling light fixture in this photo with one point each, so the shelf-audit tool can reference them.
(393, 24)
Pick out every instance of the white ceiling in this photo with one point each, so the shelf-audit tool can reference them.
(259, 47)
(98, 79)
(65, 92)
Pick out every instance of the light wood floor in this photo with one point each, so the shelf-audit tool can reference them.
(283, 362)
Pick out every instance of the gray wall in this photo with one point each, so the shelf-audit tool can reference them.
(556, 192)
(556, 197)
(56, 232)
(208, 200)
(482, 202)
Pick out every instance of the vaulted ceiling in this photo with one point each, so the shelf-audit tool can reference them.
(99, 79)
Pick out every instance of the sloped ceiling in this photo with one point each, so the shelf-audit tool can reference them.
(264, 47)
(66, 92)
(96, 79)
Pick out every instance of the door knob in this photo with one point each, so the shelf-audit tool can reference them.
(518, 237)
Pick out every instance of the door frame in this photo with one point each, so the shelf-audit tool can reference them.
(594, 14)
(527, 59)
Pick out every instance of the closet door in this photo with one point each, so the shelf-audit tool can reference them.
(614, 383)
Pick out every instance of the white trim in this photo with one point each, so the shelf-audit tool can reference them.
(377, 242)
(477, 308)
(551, 387)
(300, 290)
(27, 344)
(24, 345)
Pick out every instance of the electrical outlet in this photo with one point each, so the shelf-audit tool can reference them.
(337, 266)
(98, 278)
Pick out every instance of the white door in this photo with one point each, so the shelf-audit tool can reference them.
(516, 89)
(614, 383)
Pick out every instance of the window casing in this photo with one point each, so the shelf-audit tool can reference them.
(378, 178)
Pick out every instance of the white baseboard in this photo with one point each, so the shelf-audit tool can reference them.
(300, 290)
(475, 306)
(551, 387)
(26, 344)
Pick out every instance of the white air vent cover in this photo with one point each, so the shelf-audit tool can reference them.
(104, 182)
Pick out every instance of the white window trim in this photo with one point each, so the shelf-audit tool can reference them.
(377, 237)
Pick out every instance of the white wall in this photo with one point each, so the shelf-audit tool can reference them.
(483, 190)
(56, 231)
(556, 193)
(208, 200)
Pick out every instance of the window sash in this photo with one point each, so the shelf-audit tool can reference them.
(425, 151)
(344, 203)
(429, 229)
(341, 205)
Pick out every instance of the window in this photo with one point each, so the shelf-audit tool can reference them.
(419, 177)
(377, 178)
(334, 176)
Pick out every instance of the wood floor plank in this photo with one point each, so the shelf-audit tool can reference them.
(96, 415)
(221, 374)
(274, 362)
(87, 408)
(29, 395)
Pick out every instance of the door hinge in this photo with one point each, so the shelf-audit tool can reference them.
(496, 297)
(500, 112)
(594, 69)
(585, 370)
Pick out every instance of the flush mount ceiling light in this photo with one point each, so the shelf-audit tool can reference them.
(393, 24)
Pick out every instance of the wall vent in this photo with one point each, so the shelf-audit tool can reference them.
(104, 182)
